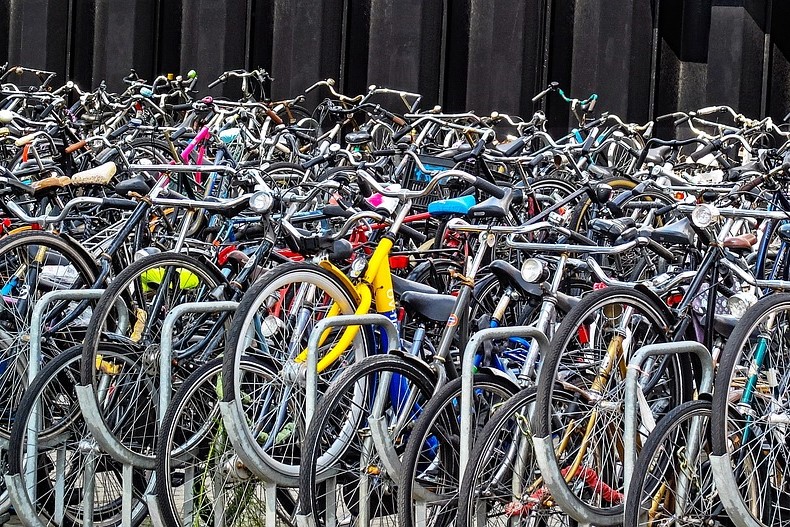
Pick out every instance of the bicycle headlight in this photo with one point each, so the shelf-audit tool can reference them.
(533, 270)
(739, 303)
(358, 266)
(261, 202)
(704, 215)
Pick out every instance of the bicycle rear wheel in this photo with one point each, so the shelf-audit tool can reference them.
(273, 322)
(672, 478)
(200, 480)
(581, 393)
(67, 461)
(431, 462)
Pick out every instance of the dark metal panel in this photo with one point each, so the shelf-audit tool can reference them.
(779, 83)
(405, 47)
(504, 55)
(307, 44)
(735, 57)
(124, 38)
(37, 36)
(213, 40)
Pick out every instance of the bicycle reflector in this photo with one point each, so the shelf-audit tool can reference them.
(704, 214)
(261, 202)
(533, 271)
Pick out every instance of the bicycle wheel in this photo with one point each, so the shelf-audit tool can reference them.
(31, 265)
(273, 322)
(502, 483)
(581, 391)
(340, 440)
(67, 459)
(125, 378)
(200, 480)
(672, 478)
(432, 457)
(750, 404)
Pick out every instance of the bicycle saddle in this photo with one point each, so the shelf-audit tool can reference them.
(358, 138)
(493, 207)
(431, 306)
(460, 205)
(677, 233)
(100, 175)
(402, 286)
(135, 184)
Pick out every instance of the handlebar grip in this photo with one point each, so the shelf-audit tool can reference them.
(660, 250)
(178, 133)
(398, 120)
(276, 119)
(364, 187)
(179, 107)
(170, 193)
(336, 211)
(705, 150)
(581, 238)
(515, 148)
(751, 185)
(541, 95)
(479, 147)
(402, 133)
(383, 153)
(416, 236)
(119, 203)
(489, 188)
(588, 143)
(313, 162)
(538, 159)
(46, 111)
(118, 132)
(666, 208)
(76, 146)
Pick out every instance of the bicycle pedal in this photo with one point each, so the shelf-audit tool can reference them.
(5, 518)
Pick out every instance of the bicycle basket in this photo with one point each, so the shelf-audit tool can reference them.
(417, 179)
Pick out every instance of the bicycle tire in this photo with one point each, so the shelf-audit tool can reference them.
(334, 435)
(433, 445)
(573, 351)
(653, 495)
(281, 286)
(149, 288)
(747, 431)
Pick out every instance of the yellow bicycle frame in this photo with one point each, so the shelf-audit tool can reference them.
(374, 285)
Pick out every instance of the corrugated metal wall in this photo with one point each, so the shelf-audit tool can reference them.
(643, 57)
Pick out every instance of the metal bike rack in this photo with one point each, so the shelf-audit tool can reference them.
(238, 431)
(544, 446)
(16, 484)
(727, 487)
(467, 376)
(165, 372)
(633, 393)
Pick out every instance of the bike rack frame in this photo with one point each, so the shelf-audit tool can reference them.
(544, 446)
(166, 368)
(16, 484)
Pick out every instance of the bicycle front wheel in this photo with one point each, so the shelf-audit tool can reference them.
(273, 323)
(750, 408)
